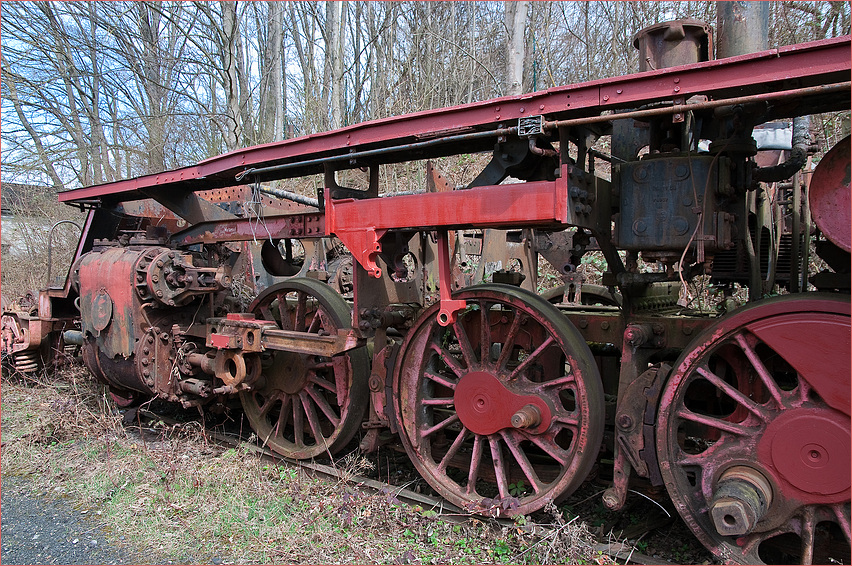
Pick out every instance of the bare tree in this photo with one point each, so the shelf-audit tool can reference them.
(516, 23)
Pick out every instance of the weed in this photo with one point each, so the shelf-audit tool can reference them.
(65, 433)
(518, 489)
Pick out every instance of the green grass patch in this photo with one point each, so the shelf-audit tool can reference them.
(174, 496)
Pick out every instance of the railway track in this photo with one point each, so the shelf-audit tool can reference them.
(617, 550)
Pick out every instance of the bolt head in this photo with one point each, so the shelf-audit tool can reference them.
(732, 517)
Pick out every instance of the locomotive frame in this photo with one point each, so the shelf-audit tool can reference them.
(743, 416)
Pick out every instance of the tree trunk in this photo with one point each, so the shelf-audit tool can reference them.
(516, 19)
(233, 125)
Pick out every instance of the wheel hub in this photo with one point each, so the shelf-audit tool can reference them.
(291, 372)
(485, 405)
(810, 449)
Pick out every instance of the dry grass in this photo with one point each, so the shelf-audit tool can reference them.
(176, 497)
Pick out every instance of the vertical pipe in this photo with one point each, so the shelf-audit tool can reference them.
(741, 28)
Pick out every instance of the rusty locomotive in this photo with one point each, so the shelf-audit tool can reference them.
(743, 414)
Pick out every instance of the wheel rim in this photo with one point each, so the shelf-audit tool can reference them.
(305, 405)
(753, 433)
(509, 393)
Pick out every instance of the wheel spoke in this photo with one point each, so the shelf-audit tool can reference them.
(734, 394)
(807, 534)
(571, 421)
(301, 310)
(269, 402)
(450, 360)
(441, 425)
(499, 466)
(531, 358)
(761, 370)
(475, 460)
(484, 335)
(298, 422)
(453, 450)
(804, 388)
(511, 440)
(842, 513)
(316, 322)
(321, 402)
(440, 379)
(560, 381)
(725, 426)
(509, 341)
(313, 419)
(547, 443)
(283, 413)
(464, 344)
(325, 384)
(439, 401)
(284, 313)
(266, 313)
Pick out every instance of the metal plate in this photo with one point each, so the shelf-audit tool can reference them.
(829, 195)
(101, 310)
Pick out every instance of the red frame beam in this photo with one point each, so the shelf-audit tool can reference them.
(360, 224)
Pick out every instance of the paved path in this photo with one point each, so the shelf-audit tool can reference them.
(38, 530)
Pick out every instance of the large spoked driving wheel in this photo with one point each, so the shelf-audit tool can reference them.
(502, 411)
(306, 405)
(753, 433)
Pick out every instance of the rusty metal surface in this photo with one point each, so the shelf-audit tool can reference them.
(766, 389)
(310, 225)
(361, 224)
(106, 279)
(304, 404)
(519, 341)
(670, 44)
(830, 195)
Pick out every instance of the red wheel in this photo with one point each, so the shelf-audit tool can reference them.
(502, 412)
(305, 405)
(753, 433)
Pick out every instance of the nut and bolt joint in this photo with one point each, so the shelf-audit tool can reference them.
(741, 499)
(636, 335)
(527, 417)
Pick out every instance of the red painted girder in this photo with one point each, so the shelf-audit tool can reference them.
(360, 224)
(819, 62)
(309, 225)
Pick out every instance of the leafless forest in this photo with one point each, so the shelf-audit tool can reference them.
(97, 91)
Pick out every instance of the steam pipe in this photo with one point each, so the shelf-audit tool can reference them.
(798, 155)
